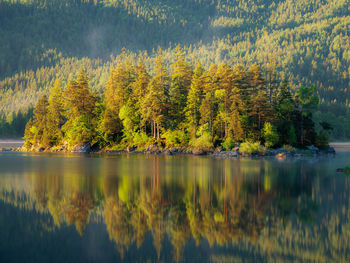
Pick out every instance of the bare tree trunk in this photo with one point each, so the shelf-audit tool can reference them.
(158, 131)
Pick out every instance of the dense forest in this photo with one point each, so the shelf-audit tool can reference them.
(187, 108)
(303, 42)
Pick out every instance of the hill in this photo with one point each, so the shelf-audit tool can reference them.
(305, 42)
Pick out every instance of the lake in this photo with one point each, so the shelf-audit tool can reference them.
(137, 208)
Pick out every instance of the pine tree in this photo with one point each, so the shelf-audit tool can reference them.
(139, 92)
(194, 100)
(79, 100)
(80, 103)
(118, 91)
(40, 120)
(208, 107)
(55, 114)
(156, 103)
(181, 76)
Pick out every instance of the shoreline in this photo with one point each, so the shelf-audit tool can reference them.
(13, 145)
(278, 153)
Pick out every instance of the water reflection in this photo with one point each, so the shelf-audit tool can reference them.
(273, 210)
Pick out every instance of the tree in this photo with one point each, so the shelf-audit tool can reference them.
(307, 101)
(181, 76)
(194, 99)
(55, 114)
(139, 91)
(40, 121)
(270, 135)
(79, 100)
(80, 104)
(118, 91)
(156, 103)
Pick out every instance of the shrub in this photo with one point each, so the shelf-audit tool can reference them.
(288, 148)
(228, 144)
(205, 141)
(322, 140)
(176, 138)
(141, 139)
(80, 131)
(270, 135)
(250, 147)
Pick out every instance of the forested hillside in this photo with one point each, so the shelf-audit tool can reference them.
(304, 42)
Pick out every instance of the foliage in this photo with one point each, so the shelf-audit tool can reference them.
(223, 104)
(288, 148)
(229, 143)
(204, 141)
(141, 140)
(79, 132)
(322, 140)
(304, 43)
(270, 135)
(175, 138)
(250, 147)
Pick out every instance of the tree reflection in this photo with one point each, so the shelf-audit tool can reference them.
(220, 203)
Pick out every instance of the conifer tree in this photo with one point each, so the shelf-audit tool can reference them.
(80, 103)
(156, 103)
(194, 100)
(181, 76)
(55, 114)
(118, 90)
(139, 92)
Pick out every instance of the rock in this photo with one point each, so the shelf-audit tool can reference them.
(281, 156)
(168, 152)
(199, 152)
(230, 154)
(313, 149)
(153, 149)
(41, 149)
(130, 149)
(218, 149)
(329, 150)
(85, 148)
(226, 154)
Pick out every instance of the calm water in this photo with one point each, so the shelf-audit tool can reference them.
(76, 208)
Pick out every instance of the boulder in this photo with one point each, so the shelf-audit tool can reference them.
(168, 152)
(236, 149)
(85, 148)
(329, 150)
(130, 149)
(281, 156)
(153, 149)
(218, 149)
(41, 149)
(230, 154)
(199, 152)
(313, 149)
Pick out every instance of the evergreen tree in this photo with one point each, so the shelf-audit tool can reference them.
(194, 100)
(155, 106)
(55, 118)
(80, 103)
(181, 76)
(40, 121)
(118, 90)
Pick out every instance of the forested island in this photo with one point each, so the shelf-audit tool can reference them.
(162, 107)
